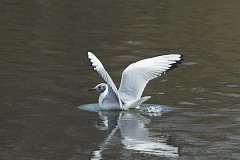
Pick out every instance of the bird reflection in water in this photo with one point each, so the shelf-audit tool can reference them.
(134, 135)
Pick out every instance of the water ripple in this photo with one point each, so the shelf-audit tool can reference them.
(233, 95)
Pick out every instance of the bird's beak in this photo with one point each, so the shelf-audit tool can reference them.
(91, 89)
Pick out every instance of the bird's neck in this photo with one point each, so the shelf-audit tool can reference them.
(103, 95)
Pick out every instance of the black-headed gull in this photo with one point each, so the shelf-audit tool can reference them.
(134, 79)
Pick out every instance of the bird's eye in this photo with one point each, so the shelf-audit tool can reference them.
(99, 87)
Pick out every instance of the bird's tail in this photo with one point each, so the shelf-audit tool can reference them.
(135, 104)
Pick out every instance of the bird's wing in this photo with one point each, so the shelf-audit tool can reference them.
(97, 65)
(136, 76)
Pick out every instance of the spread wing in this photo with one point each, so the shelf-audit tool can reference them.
(136, 76)
(97, 65)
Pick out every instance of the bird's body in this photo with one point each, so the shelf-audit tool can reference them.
(134, 79)
(108, 100)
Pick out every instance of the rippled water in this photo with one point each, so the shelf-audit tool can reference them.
(45, 74)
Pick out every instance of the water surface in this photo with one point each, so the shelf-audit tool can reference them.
(45, 74)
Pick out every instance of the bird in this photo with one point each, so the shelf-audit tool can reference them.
(133, 82)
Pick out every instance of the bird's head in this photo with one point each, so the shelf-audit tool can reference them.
(100, 87)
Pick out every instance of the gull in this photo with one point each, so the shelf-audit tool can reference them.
(134, 79)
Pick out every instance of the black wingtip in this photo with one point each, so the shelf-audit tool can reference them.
(175, 65)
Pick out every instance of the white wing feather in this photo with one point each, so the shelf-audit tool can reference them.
(136, 76)
(97, 65)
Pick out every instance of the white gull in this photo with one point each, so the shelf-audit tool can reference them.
(134, 79)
